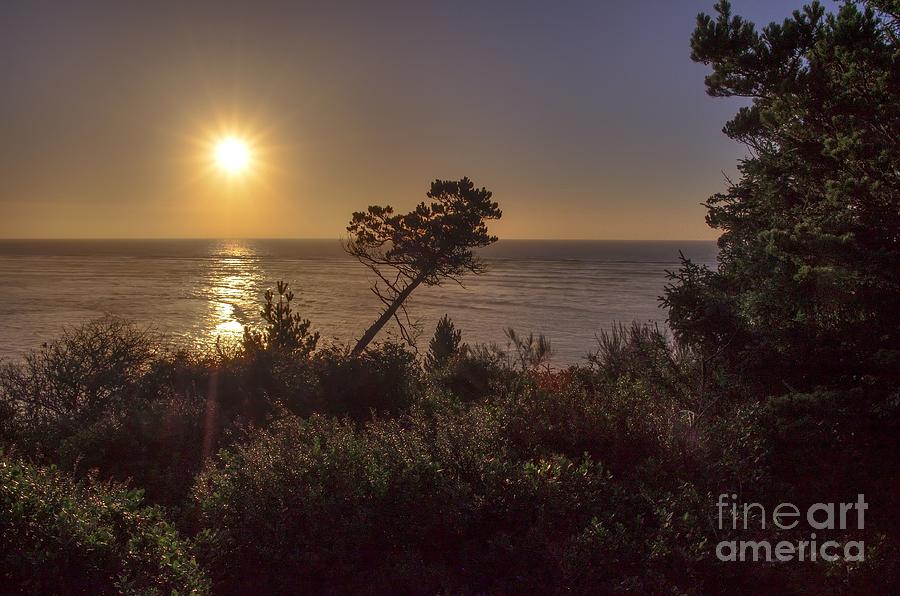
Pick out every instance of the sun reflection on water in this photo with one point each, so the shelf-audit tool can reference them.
(235, 277)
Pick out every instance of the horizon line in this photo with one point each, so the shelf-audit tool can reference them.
(147, 238)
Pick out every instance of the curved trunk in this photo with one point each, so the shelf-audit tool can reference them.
(386, 316)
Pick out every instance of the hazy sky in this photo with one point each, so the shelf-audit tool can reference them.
(586, 119)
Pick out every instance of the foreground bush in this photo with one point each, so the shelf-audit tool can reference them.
(107, 396)
(385, 378)
(74, 380)
(61, 536)
(413, 505)
(510, 494)
(157, 446)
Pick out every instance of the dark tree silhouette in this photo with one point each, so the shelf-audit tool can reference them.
(285, 329)
(806, 290)
(431, 244)
(446, 343)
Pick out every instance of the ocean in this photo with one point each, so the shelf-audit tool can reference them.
(194, 291)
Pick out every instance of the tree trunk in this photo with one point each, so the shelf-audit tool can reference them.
(386, 316)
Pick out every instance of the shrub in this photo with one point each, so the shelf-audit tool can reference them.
(384, 378)
(156, 445)
(61, 536)
(475, 373)
(848, 441)
(531, 352)
(70, 382)
(431, 502)
(107, 397)
(622, 424)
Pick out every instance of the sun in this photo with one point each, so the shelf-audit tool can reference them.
(232, 155)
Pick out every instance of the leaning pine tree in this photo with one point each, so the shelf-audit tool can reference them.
(430, 245)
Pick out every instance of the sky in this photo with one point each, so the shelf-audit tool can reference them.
(587, 120)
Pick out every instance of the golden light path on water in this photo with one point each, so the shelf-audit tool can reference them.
(235, 277)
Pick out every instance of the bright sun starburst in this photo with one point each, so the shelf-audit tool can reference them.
(232, 155)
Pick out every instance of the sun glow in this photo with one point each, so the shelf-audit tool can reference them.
(232, 155)
(233, 159)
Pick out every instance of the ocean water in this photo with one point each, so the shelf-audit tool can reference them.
(194, 291)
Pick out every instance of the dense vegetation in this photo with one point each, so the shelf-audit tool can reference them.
(282, 464)
(809, 263)
(86, 536)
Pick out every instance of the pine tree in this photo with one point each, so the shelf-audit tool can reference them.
(430, 245)
(285, 330)
(446, 343)
(806, 289)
